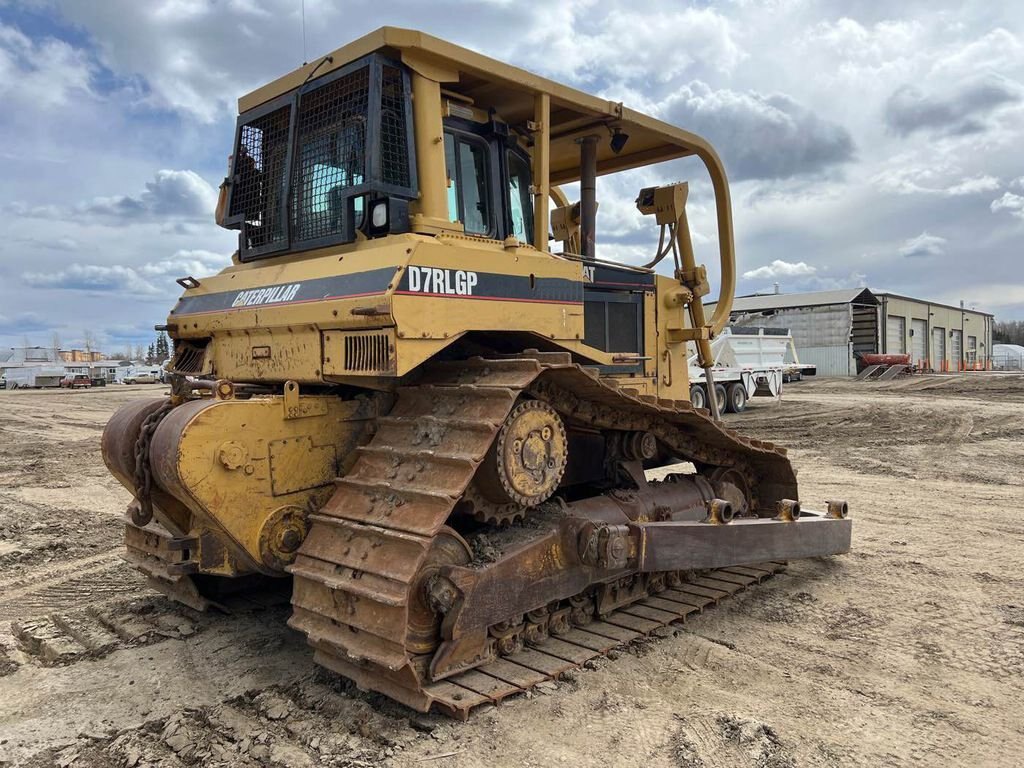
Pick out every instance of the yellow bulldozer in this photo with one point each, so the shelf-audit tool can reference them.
(419, 393)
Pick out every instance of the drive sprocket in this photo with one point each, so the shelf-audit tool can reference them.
(527, 460)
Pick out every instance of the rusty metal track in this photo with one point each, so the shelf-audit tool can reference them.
(359, 575)
(353, 575)
(511, 675)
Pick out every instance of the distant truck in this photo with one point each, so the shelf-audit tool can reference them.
(150, 375)
(76, 381)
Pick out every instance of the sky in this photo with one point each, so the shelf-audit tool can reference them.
(867, 143)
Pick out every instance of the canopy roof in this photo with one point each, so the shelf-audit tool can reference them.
(511, 92)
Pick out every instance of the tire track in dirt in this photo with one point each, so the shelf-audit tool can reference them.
(311, 722)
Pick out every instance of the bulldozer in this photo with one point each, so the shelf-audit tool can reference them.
(419, 396)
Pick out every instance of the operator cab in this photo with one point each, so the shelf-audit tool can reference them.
(400, 132)
(489, 175)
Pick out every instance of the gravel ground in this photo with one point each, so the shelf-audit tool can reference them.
(908, 651)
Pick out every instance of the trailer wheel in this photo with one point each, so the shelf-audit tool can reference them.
(698, 397)
(737, 399)
(721, 397)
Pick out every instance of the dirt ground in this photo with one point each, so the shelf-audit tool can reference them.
(907, 651)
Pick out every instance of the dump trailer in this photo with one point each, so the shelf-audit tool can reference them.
(419, 393)
(749, 362)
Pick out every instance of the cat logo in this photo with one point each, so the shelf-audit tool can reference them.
(450, 282)
(588, 273)
(274, 294)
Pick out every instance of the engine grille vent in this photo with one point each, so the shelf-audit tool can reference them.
(189, 357)
(368, 352)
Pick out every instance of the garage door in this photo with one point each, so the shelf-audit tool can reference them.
(956, 350)
(938, 347)
(919, 342)
(895, 335)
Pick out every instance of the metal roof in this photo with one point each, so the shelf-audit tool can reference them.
(886, 294)
(769, 301)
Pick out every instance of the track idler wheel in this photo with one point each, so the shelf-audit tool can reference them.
(731, 484)
(528, 458)
(424, 629)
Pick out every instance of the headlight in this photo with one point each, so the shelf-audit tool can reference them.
(379, 217)
(386, 215)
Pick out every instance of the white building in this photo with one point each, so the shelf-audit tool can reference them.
(1008, 357)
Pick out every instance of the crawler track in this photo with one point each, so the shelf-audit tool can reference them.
(359, 576)
(518, 673)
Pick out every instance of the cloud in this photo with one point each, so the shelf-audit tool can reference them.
(933, 180)
(760, 136)
(819, 174)
(922, 246)
(179, 194)
(171, 195)
(883, 42)
(92, 277)
(988, 295)
(661, 46)
(24, 322)
(996, 51)
(1009, 202)
(43, 74)
(149, 279)
(51, 243)
(198, 57)
(960, 111)
(779, 268)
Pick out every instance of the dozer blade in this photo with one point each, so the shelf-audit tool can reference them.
(688, 546)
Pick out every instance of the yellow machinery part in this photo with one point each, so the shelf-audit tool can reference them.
(250, 470)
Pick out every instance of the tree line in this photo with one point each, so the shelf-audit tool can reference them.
(157, 353)
(1008, 332)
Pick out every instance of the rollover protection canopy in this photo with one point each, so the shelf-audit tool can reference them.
(514, 92)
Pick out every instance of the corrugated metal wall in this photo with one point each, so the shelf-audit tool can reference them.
(821, 335)
(831, 361)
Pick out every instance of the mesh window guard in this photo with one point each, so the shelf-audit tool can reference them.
(330, 153)
(306, 161)
(259, 167)
(393, 136)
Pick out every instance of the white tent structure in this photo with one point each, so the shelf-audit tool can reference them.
(1007, 357)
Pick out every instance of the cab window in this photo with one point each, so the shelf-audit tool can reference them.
(520, 199)
(468, 196)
